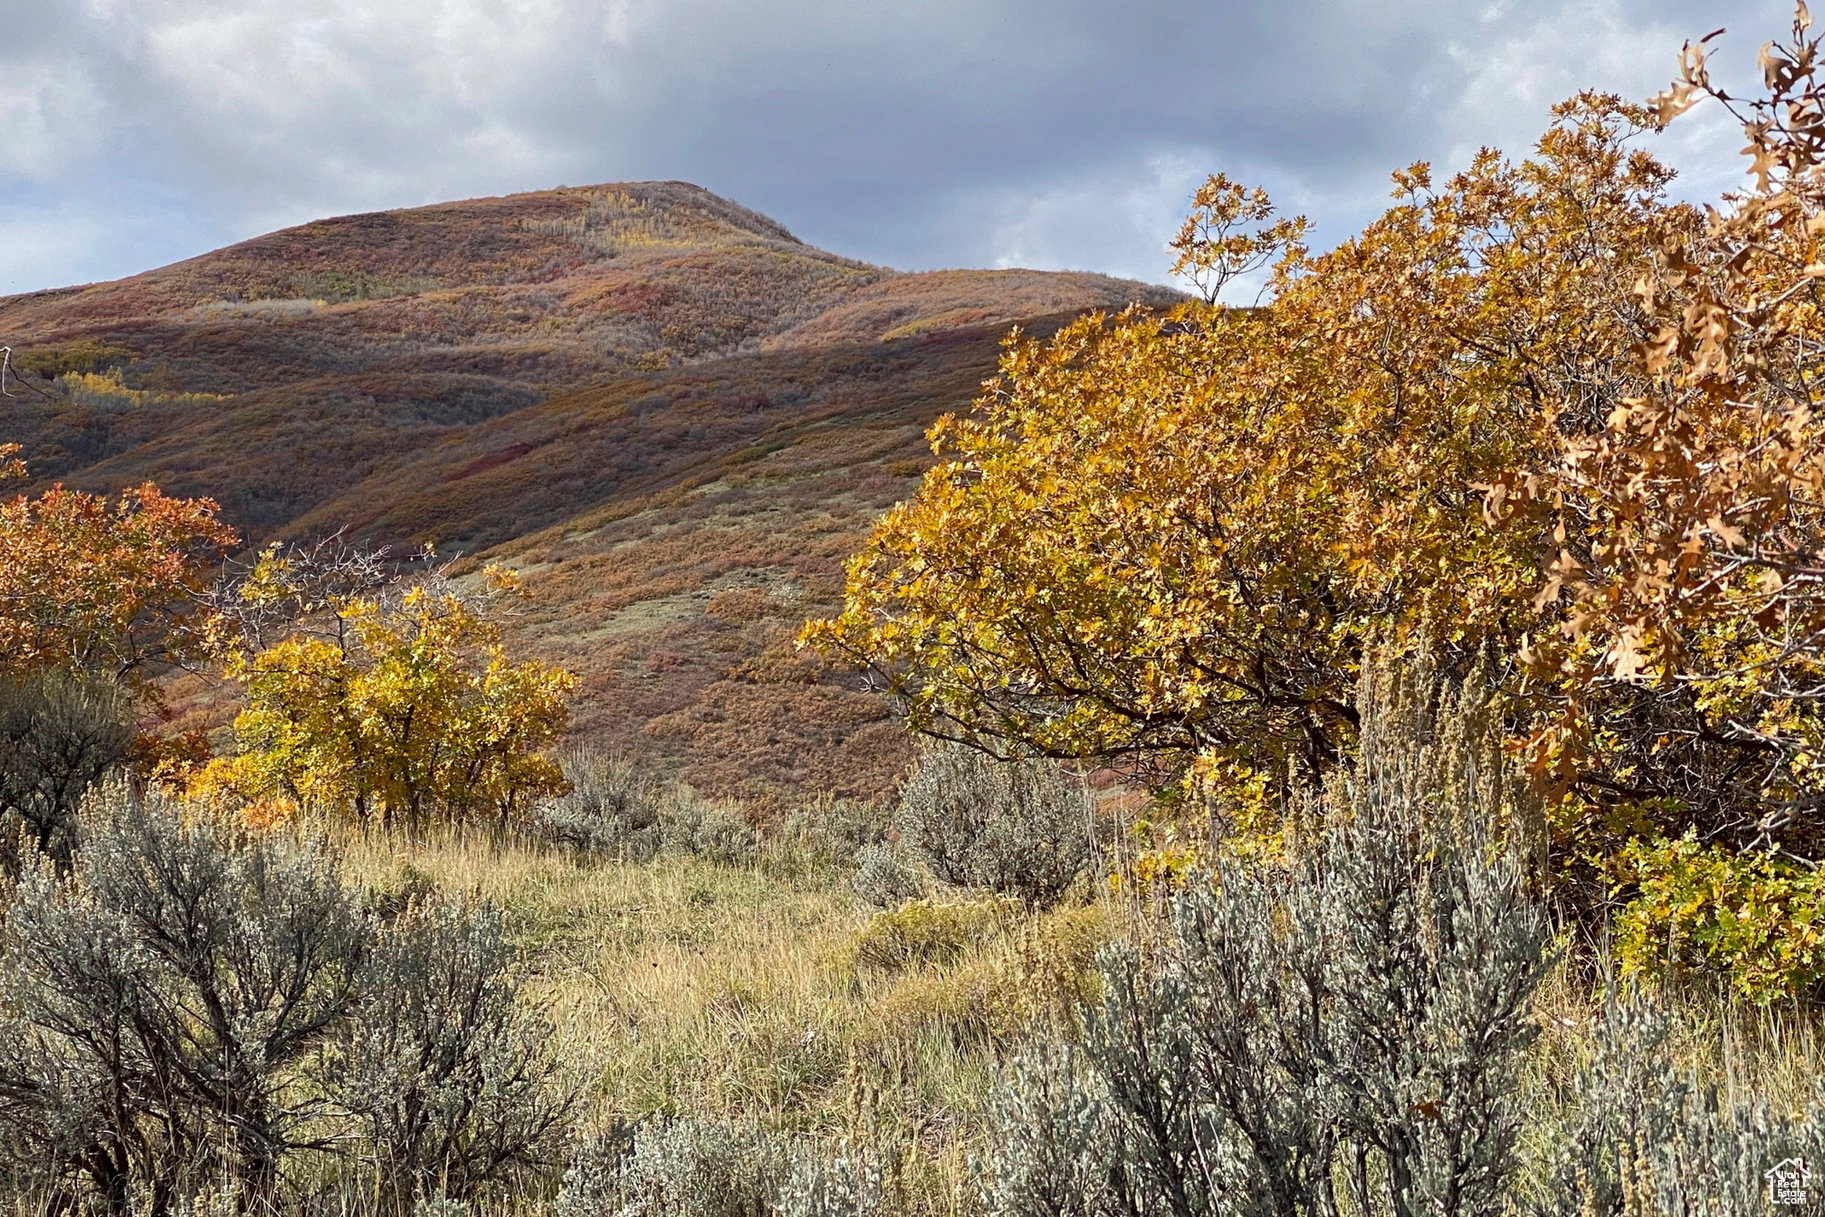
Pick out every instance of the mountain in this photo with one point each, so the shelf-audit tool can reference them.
(676, 418)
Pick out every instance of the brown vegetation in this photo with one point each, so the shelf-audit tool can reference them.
(643, 394)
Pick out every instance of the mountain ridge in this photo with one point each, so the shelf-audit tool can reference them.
(678, 417)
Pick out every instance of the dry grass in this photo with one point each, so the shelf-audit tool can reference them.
(770, 994)
(687, 987)
(1771, 1052)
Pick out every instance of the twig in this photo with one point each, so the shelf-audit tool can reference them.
(6, 365)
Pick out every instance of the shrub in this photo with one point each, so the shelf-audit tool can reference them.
(1020, 828)
(594, 1171)
(692, 1167)
(925, 932)
(882, 879)
(106, 585)
(1055, 1125)
(683, 1167)
(1641, 1137)
(832, 831)
(1750, 917)
(163, 1007)
(846, 1184)
(1343, 1033)
(611, 809)
(453, 1080)
(161, 1000)
(713, 831)
(402, 706)
(59, 735)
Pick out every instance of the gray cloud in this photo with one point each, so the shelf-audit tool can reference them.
(920, 134)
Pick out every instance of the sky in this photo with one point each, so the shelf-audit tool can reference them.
(1057, 134)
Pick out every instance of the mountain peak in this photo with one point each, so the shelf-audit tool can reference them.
(672, 412)
(606, 220)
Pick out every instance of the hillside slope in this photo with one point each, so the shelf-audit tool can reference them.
(675, 415)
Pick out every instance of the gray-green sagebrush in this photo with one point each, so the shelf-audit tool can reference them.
(191, 1004)
(693, 1167)
(614, 811)
(1021, 828)
(1346, 1035)
(60, 733)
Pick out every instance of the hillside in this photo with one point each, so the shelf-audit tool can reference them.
(674, 415)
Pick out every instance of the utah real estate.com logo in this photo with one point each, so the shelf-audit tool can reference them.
(1787, 1181)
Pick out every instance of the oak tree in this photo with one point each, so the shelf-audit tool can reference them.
(1537, 417)
(107, 585)
(401, 706)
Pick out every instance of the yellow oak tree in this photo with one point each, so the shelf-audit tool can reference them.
(402, 709)
(1170, 537)
(1689, 536)
(1538, 416)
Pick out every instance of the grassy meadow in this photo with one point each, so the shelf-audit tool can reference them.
(750, 993)
(768, 994)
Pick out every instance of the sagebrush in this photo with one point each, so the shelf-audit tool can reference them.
(1021, 828)
(165, 1007)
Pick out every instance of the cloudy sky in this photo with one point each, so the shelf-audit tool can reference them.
(916, 133)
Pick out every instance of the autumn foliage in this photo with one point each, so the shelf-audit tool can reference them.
(1537, 418)
(1172, 537)
(107, 586)
(398, 706)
